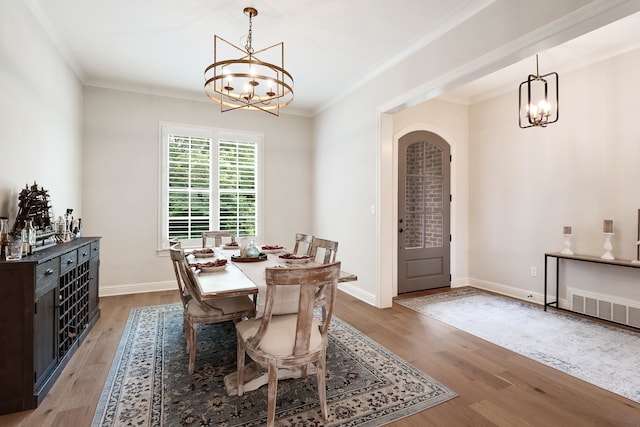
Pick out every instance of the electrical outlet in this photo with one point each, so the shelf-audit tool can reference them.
(533, 272)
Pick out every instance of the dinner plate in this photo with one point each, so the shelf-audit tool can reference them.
(271, 251)
(231, 246)
(295, 260)
(200, 260)
(212, 265)
(213, 269)
(198, 254)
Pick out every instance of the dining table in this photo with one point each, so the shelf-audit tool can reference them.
(246, 276)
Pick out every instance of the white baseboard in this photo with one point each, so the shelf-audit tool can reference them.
(518, 293)
(357, 292)
(460, 282)
(137, 288)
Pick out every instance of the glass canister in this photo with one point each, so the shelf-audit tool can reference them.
(252, 251)
(4, 238)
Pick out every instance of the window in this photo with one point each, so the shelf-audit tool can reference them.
(210, 181)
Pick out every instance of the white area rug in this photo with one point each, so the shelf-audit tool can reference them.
(603, 355)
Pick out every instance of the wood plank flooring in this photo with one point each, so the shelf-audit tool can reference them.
(496, 387)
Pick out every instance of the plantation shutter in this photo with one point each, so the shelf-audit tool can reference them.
(189, 166)
(237, 186)
(210, 180)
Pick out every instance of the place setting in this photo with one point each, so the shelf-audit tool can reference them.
(289, 258)
(204, 260)
(219, 264)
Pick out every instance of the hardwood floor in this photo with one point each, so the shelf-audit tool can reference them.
(496, 387)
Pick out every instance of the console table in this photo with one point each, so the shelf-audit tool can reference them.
(48, 303)
(584, 258)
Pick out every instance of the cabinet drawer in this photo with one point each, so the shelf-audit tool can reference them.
(68, 261)
(95, 248)
(84, 252)
(47, 275)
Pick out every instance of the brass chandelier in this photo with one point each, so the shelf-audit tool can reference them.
(539, 109)
(254, 80)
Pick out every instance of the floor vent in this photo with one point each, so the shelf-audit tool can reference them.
(606, 307)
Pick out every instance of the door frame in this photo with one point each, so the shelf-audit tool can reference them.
(388, 241)
(428, 253)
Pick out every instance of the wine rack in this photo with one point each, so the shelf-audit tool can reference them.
(74, 306)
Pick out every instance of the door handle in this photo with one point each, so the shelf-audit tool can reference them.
(400, 230)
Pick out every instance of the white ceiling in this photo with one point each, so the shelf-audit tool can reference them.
(331, 46)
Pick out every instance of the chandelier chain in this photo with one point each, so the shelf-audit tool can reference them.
(248, 46)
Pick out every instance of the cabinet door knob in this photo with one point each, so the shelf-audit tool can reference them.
(69, 261)
(49, 271)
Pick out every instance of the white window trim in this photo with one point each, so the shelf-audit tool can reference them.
(215, 134)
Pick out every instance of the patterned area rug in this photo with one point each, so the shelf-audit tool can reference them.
(149, 384)
(603, 355)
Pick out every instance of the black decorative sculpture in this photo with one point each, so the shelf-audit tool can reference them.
(34, 203)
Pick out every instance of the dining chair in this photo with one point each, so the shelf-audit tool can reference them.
(330, 248)
(185, 297)
(198, 311)
(290, 340)
(217, 237)
(303, 244)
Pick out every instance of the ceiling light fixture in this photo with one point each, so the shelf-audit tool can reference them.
(538, 109)
(251, 81)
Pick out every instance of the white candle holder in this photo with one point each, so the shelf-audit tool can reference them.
(567, 245)
(637, 261)
(608, 247)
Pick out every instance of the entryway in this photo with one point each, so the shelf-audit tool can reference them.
(424, 204)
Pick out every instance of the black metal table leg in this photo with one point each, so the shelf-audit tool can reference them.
(546, 257)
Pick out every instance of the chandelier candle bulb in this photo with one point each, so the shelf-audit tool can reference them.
(607, 226)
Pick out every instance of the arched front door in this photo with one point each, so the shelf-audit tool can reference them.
(423, 212)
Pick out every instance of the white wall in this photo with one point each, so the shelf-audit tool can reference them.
(345, 175)
(120, 197)
(40, 115)
(526, 184)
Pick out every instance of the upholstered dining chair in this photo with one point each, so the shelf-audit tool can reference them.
(330, 248)
(290, 340)
(303, 244)
(198, 311)
(217, 237)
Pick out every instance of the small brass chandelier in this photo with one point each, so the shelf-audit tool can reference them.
(252, 81)
(539, 110)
